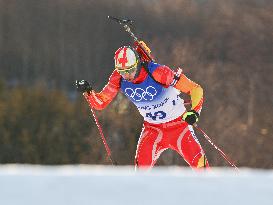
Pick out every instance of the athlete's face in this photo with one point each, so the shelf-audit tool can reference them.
(129, 76)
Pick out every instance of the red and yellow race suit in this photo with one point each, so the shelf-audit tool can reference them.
(158, 101)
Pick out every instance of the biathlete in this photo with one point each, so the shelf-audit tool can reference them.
(155, 90)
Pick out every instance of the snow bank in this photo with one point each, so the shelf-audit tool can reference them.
(102, 185)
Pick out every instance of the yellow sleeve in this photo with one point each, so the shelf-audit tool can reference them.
(187, 86)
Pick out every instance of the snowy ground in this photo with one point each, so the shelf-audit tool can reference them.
(98, 185)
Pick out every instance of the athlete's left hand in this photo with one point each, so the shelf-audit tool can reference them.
(190, 117)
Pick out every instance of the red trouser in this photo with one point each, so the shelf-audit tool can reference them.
(177, 135)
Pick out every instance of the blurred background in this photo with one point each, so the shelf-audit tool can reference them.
(45, 45)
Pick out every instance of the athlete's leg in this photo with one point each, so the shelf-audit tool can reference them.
(184, 141)
(150, 145)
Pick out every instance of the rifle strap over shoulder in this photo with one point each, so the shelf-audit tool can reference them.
(145, 64)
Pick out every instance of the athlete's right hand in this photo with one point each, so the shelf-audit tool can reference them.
(83, 86)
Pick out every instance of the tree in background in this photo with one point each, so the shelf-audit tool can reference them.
(38, 125)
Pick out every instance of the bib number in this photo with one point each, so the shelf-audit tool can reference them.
(159, 115)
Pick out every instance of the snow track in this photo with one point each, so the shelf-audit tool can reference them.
(106, 185)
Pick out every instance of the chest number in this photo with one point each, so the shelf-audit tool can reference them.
(159, 115)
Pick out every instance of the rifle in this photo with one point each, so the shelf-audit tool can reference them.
(126, 25)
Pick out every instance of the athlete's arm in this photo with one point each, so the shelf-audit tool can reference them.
(100, 100)
(166, 76)
(186, 85)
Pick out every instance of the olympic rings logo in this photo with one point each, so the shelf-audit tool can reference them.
(140, 94)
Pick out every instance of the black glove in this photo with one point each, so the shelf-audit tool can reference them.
(191, 117)
(83, 86)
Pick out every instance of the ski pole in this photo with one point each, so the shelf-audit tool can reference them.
(102, 137)
(216, 147)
